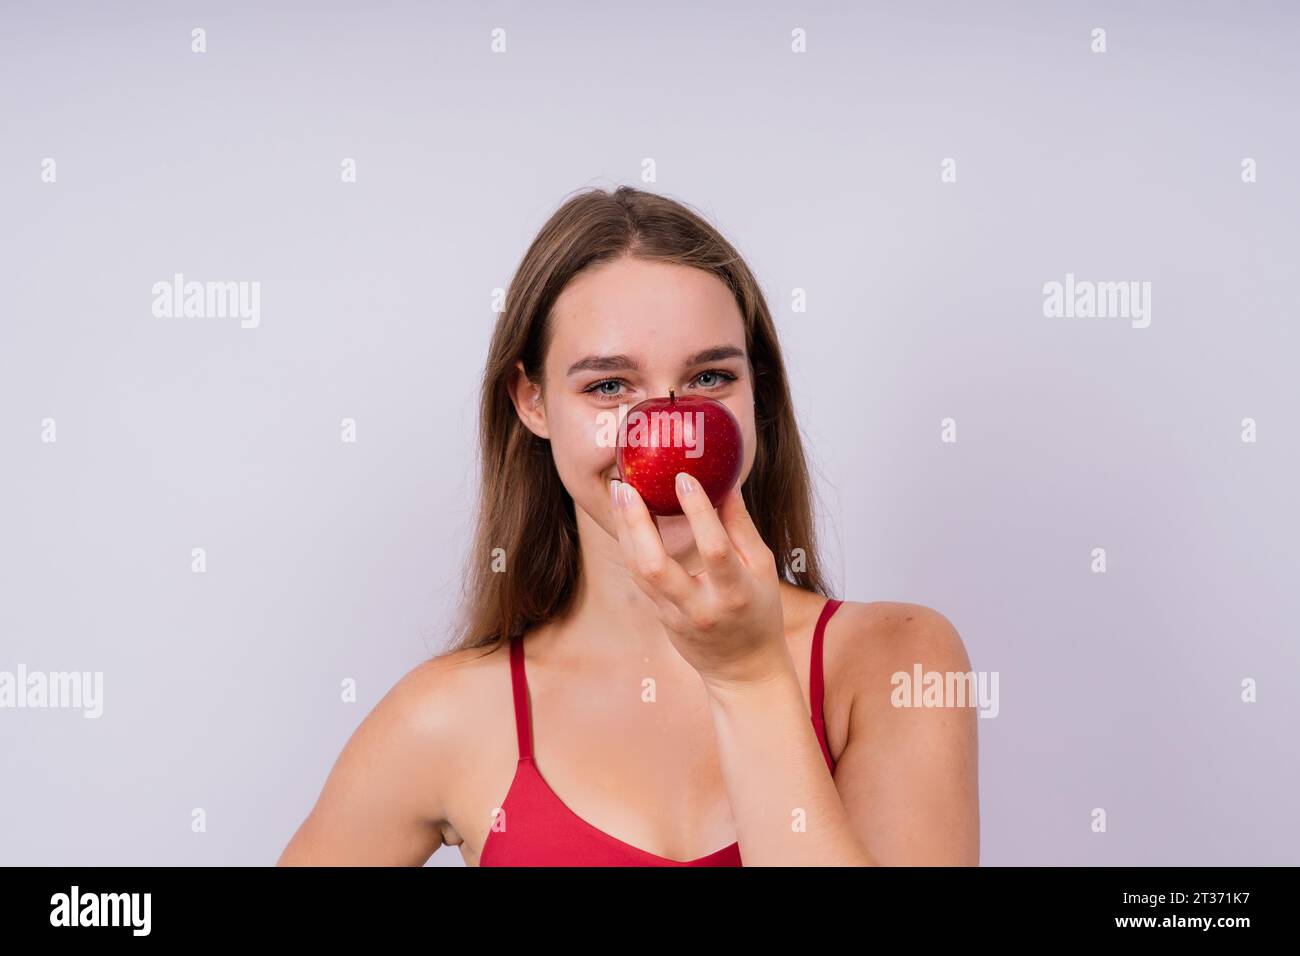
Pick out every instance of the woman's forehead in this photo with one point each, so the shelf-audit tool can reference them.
(619, 347)
(652, 311)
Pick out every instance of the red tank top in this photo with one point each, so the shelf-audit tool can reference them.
(538, 829)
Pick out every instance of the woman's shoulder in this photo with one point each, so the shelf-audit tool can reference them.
(871, 628)
(436, 697)
(385, 798)
(895, 620)
(866, 641)
(443, 708)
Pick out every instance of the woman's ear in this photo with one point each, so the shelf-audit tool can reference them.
(528, 402)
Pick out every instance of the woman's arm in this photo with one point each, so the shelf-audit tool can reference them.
(909, 776)
(783, 798)
(905, 790)
(381, 804)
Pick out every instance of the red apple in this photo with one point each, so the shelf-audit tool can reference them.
(662, 436)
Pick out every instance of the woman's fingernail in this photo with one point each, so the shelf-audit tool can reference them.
(625, 493)
(684, 483)
(613, 492)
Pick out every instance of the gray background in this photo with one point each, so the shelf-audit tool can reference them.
(328, 560)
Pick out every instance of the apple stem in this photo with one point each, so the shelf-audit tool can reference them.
(672, 399)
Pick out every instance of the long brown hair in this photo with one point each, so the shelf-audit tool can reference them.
(523, 508)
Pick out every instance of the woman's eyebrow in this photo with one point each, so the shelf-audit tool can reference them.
(620, 362)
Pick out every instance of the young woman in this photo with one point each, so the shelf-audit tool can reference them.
(640, 690)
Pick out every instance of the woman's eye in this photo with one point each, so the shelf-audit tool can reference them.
(611, 387)
(716, 373)
(599, 388)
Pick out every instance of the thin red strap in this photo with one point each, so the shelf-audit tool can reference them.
(816, 684)
(519, 685)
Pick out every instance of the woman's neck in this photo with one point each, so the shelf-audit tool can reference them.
(609, 613)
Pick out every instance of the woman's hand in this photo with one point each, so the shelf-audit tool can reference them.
(726, 621)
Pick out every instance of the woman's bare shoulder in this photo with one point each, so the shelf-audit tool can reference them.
(436, 697)
(865, 640)
(384, 801)
(901, 762)
(899, 617)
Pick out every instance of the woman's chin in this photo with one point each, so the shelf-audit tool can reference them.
(675, 530)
